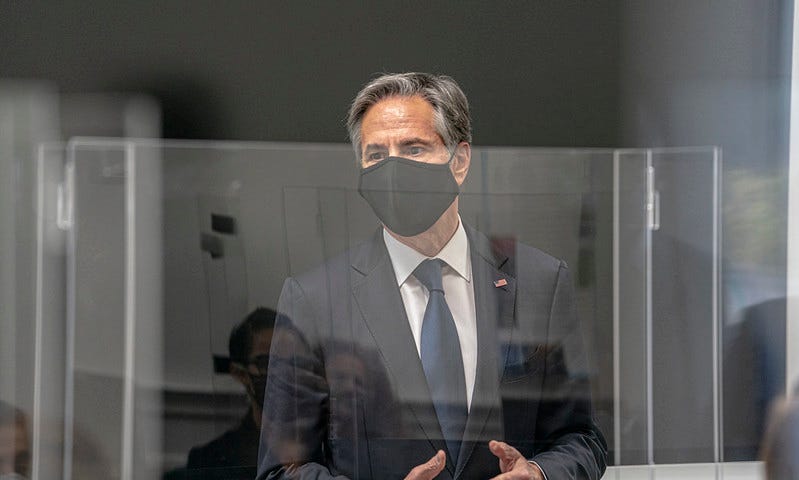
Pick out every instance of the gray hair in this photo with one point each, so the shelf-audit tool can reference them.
(450, 108)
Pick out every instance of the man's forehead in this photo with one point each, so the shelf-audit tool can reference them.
(397, 107)
(401, 118)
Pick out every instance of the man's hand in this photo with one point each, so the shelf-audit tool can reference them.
(430, 469)
(512, 464)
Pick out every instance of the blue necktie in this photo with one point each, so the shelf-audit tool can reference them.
(441, 358)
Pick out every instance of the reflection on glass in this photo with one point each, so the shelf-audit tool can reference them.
(781, 440)
(234, 221)
(15, 451)
(234, 453)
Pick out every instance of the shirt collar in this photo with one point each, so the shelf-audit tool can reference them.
(405, 259)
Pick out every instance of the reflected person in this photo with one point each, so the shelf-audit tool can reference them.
(15, 455)
(780, 452)
(482, 351)
(233, 455)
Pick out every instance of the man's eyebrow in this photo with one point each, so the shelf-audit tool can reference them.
(404, 143)
(374, 146)
(415, 140)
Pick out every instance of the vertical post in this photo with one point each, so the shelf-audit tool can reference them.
(792, 303)
(128, 405)
(716, 317)
(792, 270)
(36, 453)
(650, 418)
(66, 221)
(616, 320)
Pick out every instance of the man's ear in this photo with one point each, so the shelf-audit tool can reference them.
(461, 162)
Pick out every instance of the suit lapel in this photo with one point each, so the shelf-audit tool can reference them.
(377, 296)
(495, 297)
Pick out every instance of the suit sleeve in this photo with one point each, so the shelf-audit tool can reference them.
(569, 444)
(296, 405)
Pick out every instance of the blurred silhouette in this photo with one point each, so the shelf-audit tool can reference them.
(781, 443)
(233, 455)
(15, 455)
(754, 376)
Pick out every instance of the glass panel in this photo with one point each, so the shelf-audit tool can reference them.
(50, 318)
(633, 417)
(754, 305)
(685, 320)
(96, 308)
(27, 117)
(668, 250)
(174, 245)
(236, 223)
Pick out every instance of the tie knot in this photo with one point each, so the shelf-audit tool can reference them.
(429, 273)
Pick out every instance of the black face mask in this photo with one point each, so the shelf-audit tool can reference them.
(258, 389)
(408, 196)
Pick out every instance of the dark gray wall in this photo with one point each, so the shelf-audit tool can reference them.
(537, 73)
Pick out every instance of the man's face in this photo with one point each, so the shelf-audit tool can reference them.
(403, 127)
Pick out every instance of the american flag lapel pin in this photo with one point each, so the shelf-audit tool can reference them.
(500, 283)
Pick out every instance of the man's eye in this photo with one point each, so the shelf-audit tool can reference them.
(416, 150)
(376, 156)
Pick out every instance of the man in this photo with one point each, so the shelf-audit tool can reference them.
(233, 455)
(475, 351)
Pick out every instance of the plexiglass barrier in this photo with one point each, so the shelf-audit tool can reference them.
(152, 253)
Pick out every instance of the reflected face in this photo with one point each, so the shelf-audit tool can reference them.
(14, 454)
(401, 127)
(261, 340)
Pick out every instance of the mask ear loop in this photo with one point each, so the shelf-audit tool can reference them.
(452, 155)
(449, 162)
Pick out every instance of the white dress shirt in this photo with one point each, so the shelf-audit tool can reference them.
(458, 291)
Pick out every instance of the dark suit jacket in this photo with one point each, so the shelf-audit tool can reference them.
(232, 456)
(347, 396)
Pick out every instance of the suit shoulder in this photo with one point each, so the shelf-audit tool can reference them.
(528, 257)
(513, 256)
(331, 274)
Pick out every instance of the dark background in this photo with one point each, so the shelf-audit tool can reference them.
(537, 73)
